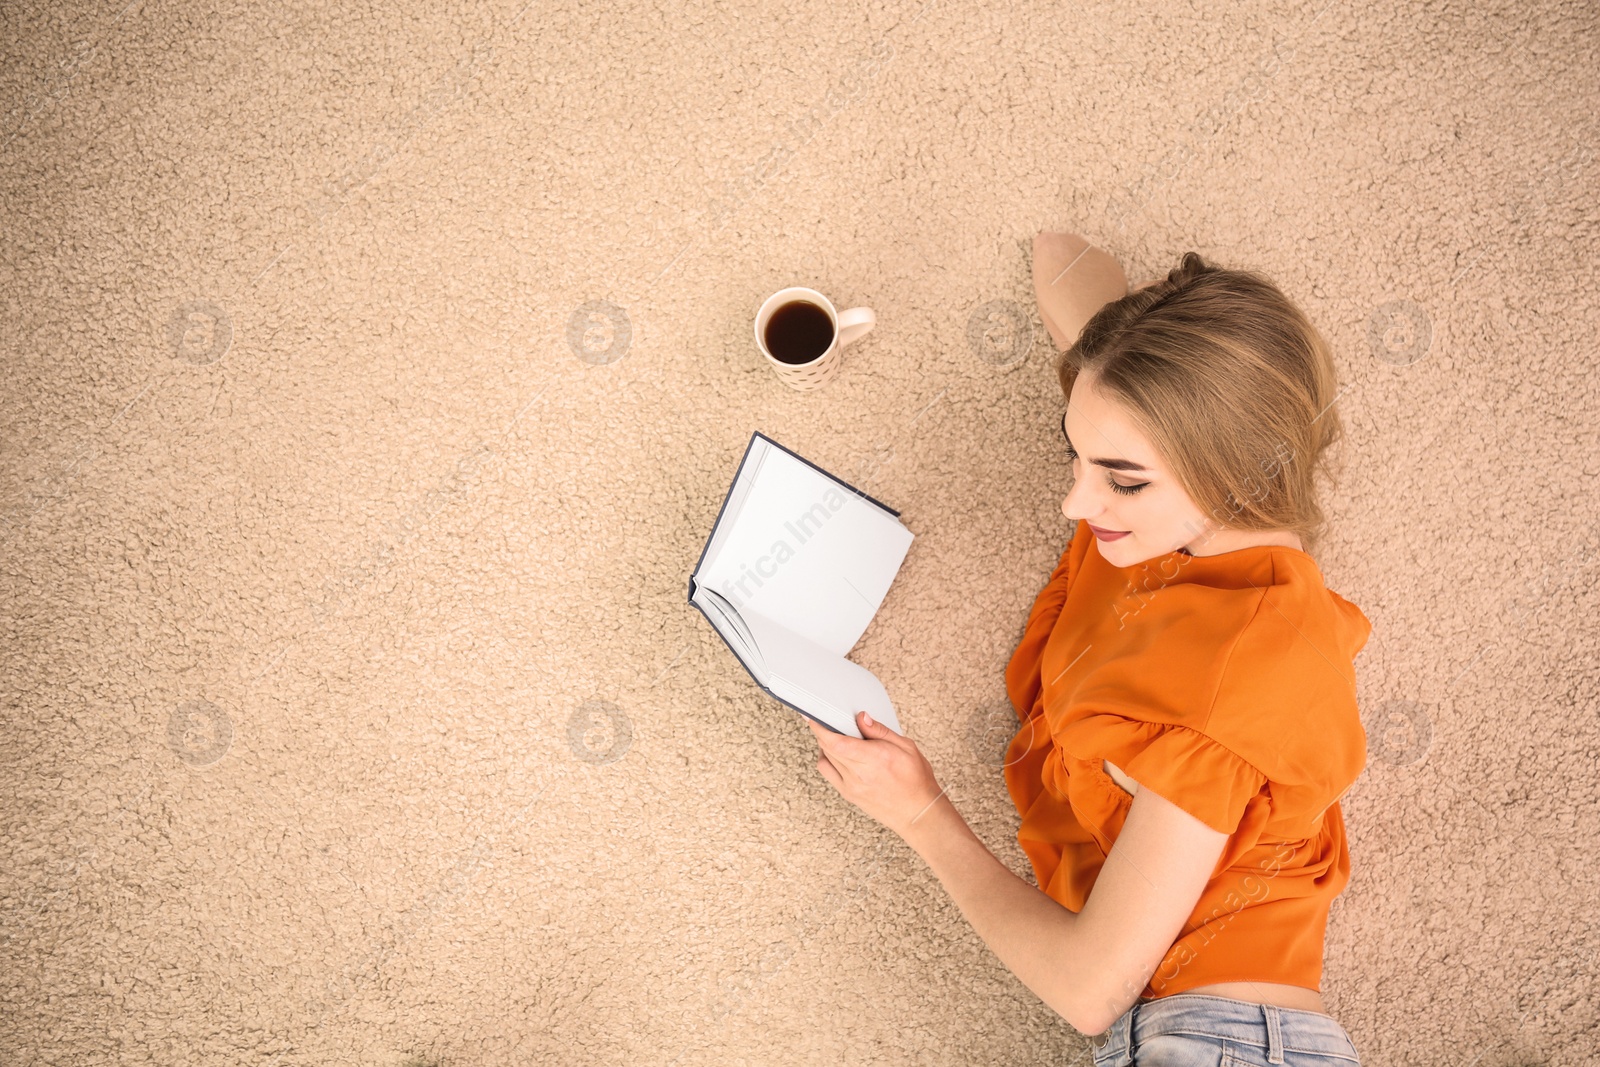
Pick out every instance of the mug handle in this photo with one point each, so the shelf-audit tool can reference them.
(855, 323)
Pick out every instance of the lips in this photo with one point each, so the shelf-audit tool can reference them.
(1106, 535)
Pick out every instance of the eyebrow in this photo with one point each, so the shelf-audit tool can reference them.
(1110, 464)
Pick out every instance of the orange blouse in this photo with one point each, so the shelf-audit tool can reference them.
(1226, 685)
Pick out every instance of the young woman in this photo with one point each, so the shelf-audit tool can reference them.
(1184, 686)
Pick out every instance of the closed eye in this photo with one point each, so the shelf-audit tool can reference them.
(1116, 486)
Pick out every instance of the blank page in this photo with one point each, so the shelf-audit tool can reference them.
(808, 554)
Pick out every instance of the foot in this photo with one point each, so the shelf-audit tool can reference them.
(1073, 279)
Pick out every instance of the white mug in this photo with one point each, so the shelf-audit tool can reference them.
(848, 326)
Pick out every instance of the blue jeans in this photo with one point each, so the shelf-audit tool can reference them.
(1198, 1030)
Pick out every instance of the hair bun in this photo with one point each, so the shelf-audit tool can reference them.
(1176, 281)
(1188, 269)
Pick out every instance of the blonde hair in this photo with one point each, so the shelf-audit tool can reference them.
(1232, 384)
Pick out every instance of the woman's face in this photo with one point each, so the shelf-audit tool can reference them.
(1122, 488)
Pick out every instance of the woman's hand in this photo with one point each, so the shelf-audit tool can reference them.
(882, 773)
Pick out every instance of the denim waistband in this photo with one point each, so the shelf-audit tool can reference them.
(1266, 1026)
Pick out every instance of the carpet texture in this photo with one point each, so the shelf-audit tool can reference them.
(374, 374)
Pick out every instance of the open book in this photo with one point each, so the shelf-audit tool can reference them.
(796, 567)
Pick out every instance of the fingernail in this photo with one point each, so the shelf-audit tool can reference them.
(866, 718)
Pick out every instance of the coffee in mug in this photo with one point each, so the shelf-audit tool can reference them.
(799, 332)
(801, 335)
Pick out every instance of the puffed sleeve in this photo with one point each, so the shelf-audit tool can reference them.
(1182, 765)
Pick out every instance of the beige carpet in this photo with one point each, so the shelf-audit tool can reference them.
(374, 374)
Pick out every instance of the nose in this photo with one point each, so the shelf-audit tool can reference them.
(1076, 505)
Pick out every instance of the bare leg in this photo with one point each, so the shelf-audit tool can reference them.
(1073, 279)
